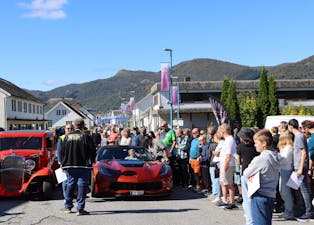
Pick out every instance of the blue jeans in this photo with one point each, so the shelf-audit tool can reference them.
(246, 202)
(306, 194)
(285, 191)
(216, 189)
(77, 177)
(64, 186)
(262, 209)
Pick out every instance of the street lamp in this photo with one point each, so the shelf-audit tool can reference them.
(178, 96)
(170, 89)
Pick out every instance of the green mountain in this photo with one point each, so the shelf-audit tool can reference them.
(106, 94)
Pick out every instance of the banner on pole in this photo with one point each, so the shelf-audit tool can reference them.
(132, 103)
(165, 77)
(175, 95)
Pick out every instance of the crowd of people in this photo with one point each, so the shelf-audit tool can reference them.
(221, 162)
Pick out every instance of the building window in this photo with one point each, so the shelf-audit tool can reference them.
(41, 109)
(34, 109)
(58, 112)
(19, 106)
(25, 107)
(29, 107)
(155, 100)
(64, 112)
(37, 109)
(14, 105)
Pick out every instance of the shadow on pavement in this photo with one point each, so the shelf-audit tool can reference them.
(8, 203)
(177, 194)
(141, 211)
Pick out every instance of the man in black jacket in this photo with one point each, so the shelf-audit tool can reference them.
(77, 154)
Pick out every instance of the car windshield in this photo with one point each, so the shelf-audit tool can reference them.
(21, 143)
(123, 153)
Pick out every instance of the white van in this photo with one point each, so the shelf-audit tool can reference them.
(273, 121)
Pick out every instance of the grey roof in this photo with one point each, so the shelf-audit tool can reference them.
(16, 91)
(69, 101)
(75, 110)
(240, 85)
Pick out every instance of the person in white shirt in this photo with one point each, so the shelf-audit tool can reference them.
(227, 166)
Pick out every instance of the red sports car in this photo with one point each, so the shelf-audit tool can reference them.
(129, 171)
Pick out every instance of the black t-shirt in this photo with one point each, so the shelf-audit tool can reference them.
(246, 153)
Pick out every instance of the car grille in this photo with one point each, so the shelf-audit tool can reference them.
(136, 186)
(12, 173)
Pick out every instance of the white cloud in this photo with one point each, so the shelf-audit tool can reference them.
(54, 83)
(44, 9)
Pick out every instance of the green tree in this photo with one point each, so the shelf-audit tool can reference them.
(232, 103)
(297, 110)
(247, 105)
(224, 90)
(272, 96)
(262, 99)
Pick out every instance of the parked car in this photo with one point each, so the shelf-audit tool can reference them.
(117, 173)
(27, 163)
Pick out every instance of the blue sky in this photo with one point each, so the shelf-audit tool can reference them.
(45, 44)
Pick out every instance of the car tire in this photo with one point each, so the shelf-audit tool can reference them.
(92, 184)
(47, 189)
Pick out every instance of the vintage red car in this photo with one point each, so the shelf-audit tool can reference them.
(116, 174)
(27, 163)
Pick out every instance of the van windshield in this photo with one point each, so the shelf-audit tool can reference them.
(14, 143)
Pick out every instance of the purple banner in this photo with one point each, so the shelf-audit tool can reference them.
(175, 94)
(165, 77)
(123, 108)
(132, 103)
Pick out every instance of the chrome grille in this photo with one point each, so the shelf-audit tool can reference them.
(12, 173)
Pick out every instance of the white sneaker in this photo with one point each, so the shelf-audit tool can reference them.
(217, 199)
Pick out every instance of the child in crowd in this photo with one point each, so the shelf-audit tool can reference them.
(267, 164)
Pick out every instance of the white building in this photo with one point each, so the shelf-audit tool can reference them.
(195, 110)
(61, 111)
(20, 110)
(154, 108)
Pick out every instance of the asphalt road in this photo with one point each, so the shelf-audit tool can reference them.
(180, 208)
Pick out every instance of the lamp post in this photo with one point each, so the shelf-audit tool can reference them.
(178, 96)
(170, 89)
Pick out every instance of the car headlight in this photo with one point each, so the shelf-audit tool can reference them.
(102, 170)
(164, 170)
(29, 164)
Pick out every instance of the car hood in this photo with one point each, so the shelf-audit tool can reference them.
(150, 168)
(24, 153)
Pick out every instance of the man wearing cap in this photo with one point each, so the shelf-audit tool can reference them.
(169, 140)
(77, 154)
